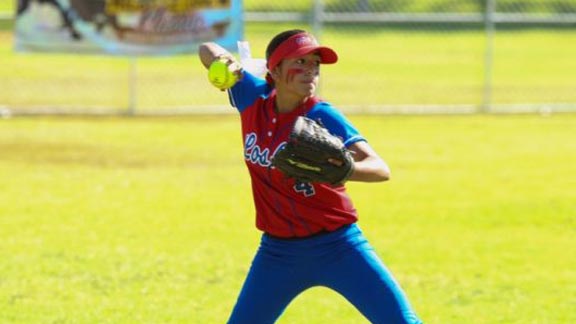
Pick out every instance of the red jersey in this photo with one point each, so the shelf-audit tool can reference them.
(285, 207)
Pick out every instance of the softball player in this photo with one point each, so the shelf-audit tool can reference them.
(310, 236)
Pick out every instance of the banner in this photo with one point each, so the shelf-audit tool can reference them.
(126, 27)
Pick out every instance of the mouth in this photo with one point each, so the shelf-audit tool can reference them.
(308, 81)
(308, 85)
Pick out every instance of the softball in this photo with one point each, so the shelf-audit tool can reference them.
(222, 75)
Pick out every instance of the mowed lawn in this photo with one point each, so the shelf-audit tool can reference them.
(379, 67)
(150, 220)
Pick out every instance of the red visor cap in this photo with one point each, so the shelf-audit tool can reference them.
(300, 45)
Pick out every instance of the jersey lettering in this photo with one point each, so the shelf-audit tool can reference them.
(255, 154)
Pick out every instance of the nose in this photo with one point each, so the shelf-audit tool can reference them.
(312, 68)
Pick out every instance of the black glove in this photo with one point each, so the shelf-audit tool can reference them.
(312, 154)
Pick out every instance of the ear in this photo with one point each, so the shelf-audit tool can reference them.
(275, 73)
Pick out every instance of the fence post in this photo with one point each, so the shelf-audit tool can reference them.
(317, 18)
(317, 24)
(132, 86)
(488, 55)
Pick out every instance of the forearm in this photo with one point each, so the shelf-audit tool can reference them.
(368, 166)
(370, 169)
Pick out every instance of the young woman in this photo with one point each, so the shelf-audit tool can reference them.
(310, 236)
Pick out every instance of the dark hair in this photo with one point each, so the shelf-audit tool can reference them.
(278, 39)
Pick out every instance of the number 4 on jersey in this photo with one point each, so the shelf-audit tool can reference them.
(305, 188)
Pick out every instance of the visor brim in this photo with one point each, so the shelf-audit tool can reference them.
(327, 55)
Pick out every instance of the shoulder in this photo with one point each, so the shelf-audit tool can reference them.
(245, 92)
(335, 121)
(326, 114)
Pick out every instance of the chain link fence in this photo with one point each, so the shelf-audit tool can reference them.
(396, 56)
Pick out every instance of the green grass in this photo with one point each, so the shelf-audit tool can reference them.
(7, 7)
(377, 67)
(150, 220)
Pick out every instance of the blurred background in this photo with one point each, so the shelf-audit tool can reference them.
(396, 56)
(149, 220)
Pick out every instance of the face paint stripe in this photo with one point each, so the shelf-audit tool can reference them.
(291, 74)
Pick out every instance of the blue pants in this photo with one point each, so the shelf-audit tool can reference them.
(342, 260)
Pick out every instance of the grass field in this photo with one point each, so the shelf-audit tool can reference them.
(378, 67)
(150, 220)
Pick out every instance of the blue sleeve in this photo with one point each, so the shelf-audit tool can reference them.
(336, 123)
(247, 90)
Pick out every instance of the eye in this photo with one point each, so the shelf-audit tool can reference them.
(301, 61)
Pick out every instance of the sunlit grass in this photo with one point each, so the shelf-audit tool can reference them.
(399, 67)
(150, 220)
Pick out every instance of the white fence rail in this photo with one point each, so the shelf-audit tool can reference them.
(485, 92)
(381, 17)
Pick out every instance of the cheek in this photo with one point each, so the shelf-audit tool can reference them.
(292, 73)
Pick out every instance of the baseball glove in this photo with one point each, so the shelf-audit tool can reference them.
(312, 154)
